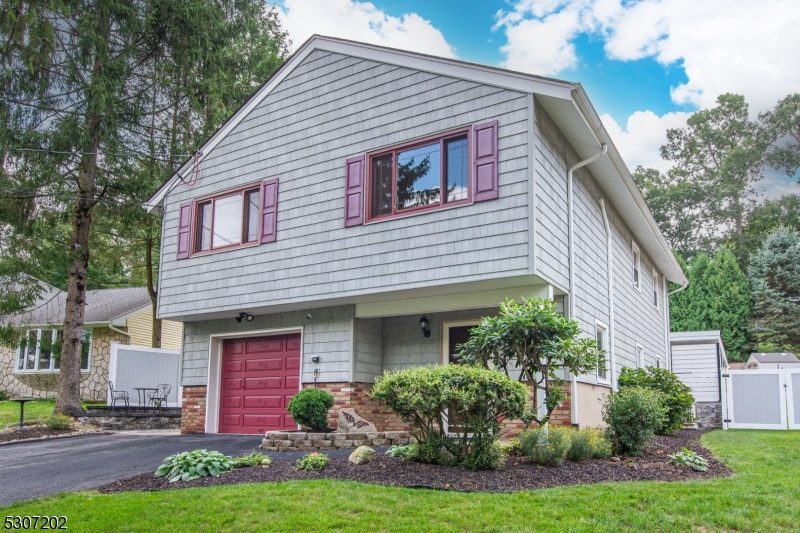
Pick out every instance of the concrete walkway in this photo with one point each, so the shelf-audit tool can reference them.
(33, 469)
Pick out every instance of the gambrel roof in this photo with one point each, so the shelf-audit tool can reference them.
(566, 102)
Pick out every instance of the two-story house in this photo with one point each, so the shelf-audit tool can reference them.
(367, 206)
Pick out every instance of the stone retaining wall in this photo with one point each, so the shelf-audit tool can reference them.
(709, 415)
(133, 422)
(298, 441)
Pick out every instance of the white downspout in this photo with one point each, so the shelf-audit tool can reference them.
(570, 231)
(611, 350)
(115, 330)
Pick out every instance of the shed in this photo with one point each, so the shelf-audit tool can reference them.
(765, 361)
(699, 360)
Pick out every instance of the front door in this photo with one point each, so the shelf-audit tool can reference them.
(456, 336)
(259, 377)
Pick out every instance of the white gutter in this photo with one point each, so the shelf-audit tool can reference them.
(115, 330)
(611, 350)
(570, 202)
(679, 289)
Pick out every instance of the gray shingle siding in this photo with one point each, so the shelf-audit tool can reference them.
(327, 334)
(369, 349)
(636, 319)
(330, 108)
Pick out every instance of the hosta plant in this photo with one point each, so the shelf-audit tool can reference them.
(253, 459)
(312, 461)
(187, 466)
(402, 450)
(687, 457)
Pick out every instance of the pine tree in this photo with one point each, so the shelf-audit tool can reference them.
(689, 309)
(729, 303)
(775, 280)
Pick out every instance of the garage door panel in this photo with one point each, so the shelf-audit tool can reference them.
(261, 346)
(232, 402)
(293, 382)
(233, 366)
(232, 420)
(293, 344)
(293, 363)
(264, 383)
(232, 384)
(275, 402)
(288, 422)
(266, 421)
(274, 363)
(233, 348)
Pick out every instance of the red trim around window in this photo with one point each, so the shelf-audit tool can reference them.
(393, 150)
(218, 196)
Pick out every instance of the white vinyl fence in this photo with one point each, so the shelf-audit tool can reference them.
(138, 366)
(762, 399)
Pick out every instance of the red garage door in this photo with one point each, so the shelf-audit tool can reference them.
(259, 377)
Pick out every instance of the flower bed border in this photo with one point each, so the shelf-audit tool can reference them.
(300, 441)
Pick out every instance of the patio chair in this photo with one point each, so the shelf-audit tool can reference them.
(158, 399)
(118, 396)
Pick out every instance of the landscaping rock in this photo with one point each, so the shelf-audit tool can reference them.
(362, 455)
(349, 421)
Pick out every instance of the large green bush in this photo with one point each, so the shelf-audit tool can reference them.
(546, 445)
(470, 401)
(677, 395)
(633, 414)
(309, 408)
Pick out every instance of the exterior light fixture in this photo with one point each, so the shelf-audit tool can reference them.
(245, 316)
(423, 324)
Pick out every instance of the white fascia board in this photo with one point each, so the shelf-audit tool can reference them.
(438, 65)
(122, 320)
(667, 264)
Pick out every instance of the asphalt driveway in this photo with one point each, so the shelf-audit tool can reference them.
(28, 470)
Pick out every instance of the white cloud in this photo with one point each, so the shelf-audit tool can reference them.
(643, 135)
(742, 46)
(362, 21)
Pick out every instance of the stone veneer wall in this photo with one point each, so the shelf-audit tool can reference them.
(709, 415)
(193, 410)
(94, 384)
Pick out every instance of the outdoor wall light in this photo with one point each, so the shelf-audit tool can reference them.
(246, 316)
(423, 324)
(315, 359)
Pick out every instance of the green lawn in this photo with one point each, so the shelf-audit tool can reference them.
(761, 497)
(35, 410)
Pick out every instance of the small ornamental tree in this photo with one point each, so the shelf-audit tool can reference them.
(530, 338)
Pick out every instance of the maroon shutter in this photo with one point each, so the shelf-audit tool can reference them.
(484, 146)
(184, 230)
(354, 192)
(269, 210)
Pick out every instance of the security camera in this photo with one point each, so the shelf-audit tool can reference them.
(309, 316)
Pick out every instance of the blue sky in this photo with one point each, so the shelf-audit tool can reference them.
(646, 64)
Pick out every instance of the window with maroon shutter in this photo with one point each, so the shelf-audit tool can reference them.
(184, 230)
(269, 210)
(485, 166)
(354, 192)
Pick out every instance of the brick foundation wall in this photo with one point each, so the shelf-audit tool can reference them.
(354, 395)
(561, 416)
(193, 410)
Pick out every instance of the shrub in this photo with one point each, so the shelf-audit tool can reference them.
(309, 408)
(589, 443)
(403, 450)
(687, 457)
(546, 445)
(470, 401)
(633, 414)
(512, 447)
(312, 461)
(58, 421)
(187, 466)
(253, 459)
(677, 395)
(3, 395)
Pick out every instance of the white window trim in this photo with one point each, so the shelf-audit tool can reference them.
(51, 370)
(640, 359)
(446, 325)
(656, 296)
(637, 264)
(604, 327)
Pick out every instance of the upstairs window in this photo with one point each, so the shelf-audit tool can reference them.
(637, 267)
(639, 356)
(228, 220)
(40, 351)
(425, 175)
(602, 344)
(655, 288)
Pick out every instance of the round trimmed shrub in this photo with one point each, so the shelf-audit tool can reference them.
(546, 445)
(633, 415)
(677, 395)
(309, 408)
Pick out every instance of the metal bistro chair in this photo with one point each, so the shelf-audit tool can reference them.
(158, 399)
(118, 395)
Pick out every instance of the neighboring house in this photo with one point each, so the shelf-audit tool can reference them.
(362, 189)
(765, 361)
(123, 316)
(698, 359)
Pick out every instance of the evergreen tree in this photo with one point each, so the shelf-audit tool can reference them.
(729, 303)
(775, 280)
(689, 309)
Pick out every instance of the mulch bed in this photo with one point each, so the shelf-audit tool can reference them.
(517, 475)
